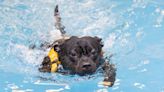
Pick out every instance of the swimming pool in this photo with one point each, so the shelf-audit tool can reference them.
(132, 30)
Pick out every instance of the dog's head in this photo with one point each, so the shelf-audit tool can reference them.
(81, 55)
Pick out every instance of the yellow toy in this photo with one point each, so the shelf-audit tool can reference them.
(54, 58)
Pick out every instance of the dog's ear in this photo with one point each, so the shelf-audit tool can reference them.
(57, 48)
(99, 40)
(56, 45)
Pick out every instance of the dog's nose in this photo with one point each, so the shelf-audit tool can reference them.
(86, 65)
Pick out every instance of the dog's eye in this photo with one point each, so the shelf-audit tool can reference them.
(93, 51)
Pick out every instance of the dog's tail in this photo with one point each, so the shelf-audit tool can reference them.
(58, 23)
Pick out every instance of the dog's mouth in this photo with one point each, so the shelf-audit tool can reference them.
(84, 72)
(85, 68)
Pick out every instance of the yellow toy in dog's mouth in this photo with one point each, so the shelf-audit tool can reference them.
(54, 58)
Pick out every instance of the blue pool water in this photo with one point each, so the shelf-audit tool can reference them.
(133, 30)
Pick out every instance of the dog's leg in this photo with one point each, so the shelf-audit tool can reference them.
(59, 26)
(58, 23)
(109, 73)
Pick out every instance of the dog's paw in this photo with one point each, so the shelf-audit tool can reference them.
(107, 83)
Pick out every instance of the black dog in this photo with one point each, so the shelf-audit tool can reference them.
(80, 56)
